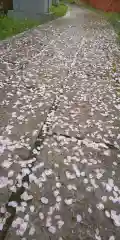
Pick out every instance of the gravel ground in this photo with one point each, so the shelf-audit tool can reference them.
(59, 131)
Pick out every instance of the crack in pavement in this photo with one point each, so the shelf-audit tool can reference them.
(43, 133)
(16, 197)
(109, 145)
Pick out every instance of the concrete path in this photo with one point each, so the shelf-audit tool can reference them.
(59, 131)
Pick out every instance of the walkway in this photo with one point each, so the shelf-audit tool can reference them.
(59, 131)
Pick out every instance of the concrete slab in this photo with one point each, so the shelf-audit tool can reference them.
(70, 187)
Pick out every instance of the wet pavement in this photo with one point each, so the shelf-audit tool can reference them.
(59, 131)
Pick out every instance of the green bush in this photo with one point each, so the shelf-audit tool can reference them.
(71, 1)
(59, 10)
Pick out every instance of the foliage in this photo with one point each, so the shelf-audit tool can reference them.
(11, 26)
(68, 1)
(71, 1)
(59, 10)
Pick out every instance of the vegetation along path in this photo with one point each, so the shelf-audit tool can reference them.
(59, 131)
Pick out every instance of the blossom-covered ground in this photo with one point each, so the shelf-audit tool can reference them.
(59, 131)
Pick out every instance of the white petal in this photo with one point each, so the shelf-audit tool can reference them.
(32, 231)
(79, 218)
(44, 200)
(32, 208)
(111, 238)
(60, 224)
(68, 201)
(13, 204)
(41, 215)
(52, 229)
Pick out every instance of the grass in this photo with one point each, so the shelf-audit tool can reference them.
(11, 26)
(114, 19)
(59, 10)
(114, 67)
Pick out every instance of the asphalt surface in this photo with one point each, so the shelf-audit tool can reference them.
(59, 131)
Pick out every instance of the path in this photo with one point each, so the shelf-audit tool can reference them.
(59, 137)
